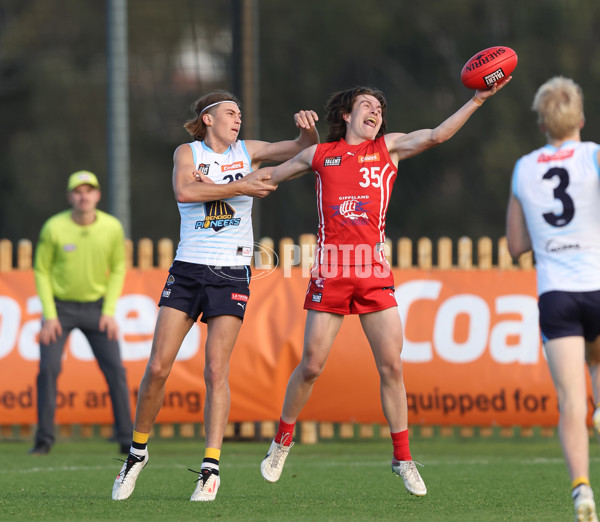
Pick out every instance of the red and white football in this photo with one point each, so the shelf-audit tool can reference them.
(488, 67)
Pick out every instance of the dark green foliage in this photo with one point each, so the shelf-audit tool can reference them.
(53, 98)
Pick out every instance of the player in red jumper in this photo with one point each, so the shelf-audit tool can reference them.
(355, 171)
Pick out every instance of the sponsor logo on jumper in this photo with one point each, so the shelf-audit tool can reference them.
(203, 167)
(316, 297)
(332, 161)
(369, 157)
(233, 166)
(556, 247)
(352, 209)
(170, 280)
(69, 247)
(492, 78)
(243, 251)
(484, 59)
(239, 297)
(166, 293)
(219, 215)
(243, 305)
(556, 156)
(362, 196)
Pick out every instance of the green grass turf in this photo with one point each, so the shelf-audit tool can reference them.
(476, 479)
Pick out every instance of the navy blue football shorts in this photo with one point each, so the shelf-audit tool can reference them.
(207, 290)
(566, 314)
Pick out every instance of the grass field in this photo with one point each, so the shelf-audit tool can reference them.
(477, 479)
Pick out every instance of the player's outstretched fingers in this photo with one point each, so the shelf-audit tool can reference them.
(306, 119)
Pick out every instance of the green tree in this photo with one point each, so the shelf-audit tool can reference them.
(53, 98)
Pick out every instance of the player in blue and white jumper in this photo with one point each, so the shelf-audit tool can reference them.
(210, 275)
(554, 210)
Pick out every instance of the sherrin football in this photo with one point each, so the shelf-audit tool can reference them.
(488, 66)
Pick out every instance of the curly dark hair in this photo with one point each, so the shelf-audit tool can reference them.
(342, 102)
(196, 126)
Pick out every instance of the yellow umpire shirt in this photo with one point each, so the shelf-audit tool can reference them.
(80, 263)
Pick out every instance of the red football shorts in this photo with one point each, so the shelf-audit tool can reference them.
(345, 289)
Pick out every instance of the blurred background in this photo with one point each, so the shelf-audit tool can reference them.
(64, 107)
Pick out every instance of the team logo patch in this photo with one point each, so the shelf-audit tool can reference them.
(352, 209)
(319, 282)
(244, 251)
(233, 166)
(219, 215)
(368, 158)
(170, 280)
(203, 167)
(332, 161)
(316, 297)
(239, 297)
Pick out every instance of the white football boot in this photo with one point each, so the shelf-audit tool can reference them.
(585, 507)
(125, 481)
(207, 487)
(413, 482)
(272, 465)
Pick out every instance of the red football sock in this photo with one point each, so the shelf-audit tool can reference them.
(401, 449)
(285, 429)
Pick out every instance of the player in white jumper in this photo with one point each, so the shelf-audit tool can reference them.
(211, 271)
(554, 209)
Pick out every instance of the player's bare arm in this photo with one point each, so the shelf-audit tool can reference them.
(294, 168)
(402, 146)
(261, 151)
(517, 236)
(188, 190)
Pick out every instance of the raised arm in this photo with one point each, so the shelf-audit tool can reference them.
(261, 151)
(188, 190)
(299, 165)
(402, 146)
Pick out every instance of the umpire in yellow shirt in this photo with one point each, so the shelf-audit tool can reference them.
(79, 272)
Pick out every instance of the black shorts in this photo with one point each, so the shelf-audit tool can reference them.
(207, 290)
(566, 314)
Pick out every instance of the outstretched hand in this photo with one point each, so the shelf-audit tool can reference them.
(255, 184)
(306, 119)
(484, 94)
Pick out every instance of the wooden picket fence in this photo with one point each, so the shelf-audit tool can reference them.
(465, 254)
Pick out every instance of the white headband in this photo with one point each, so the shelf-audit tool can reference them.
(217, 103)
